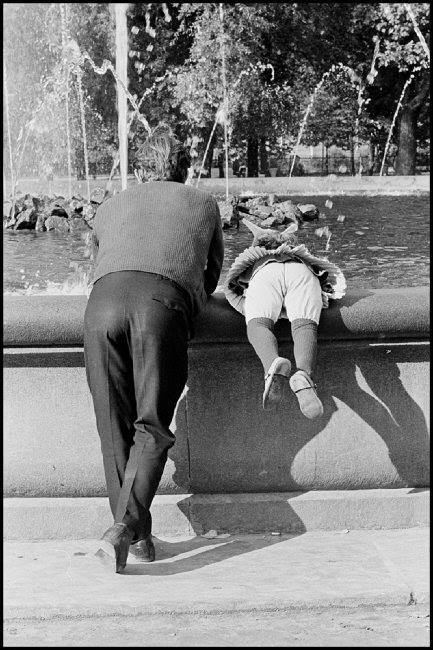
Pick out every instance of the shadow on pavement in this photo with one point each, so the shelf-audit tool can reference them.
(189, 555)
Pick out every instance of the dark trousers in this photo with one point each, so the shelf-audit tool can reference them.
(136, 331)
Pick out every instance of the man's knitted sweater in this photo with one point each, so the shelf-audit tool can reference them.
(165, 228)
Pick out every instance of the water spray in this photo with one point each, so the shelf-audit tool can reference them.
(83, 129)
(399, 105)
(417, 30)
(65, 36)
(225, 100)
(343, 68)
(8, 126)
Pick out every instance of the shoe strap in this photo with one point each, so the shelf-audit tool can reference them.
(305, 388)
(310, 385)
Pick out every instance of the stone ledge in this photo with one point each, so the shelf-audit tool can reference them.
(196, 514)
(377, 314)
(373, 378)
(331, 185)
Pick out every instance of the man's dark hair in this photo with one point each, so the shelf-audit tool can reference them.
(162, 158)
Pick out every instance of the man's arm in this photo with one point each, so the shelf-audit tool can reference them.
(94, 246)
(94, 242)
(215, 256)
(91, 245)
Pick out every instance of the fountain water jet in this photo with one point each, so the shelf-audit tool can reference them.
(77, 60)
(83, 128)
(399, 104)
(360, 99)
(136, 112)
(65, 36)
(417, 30)
(220, 114)
(8, 126)
(332, 69)
(122, 74)
(217, 119)
(225, 101)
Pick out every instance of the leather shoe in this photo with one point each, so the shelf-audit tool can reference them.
(305, 390)
(116, 542)
(276, 382)
(143, 550)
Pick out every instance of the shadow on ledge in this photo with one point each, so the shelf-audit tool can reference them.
(373, 433)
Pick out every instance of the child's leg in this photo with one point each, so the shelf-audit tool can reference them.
(261, 336)
(263, 301)
(304, 335)
(303, 303)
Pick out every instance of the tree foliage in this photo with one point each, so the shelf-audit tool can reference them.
(276, 56)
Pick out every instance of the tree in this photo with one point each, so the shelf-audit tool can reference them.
(277, 53)
(37, 83)
(159, 43)
(404, 57)
(91, 27)
(254, 100)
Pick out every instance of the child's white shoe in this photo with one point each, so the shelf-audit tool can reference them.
(305, 390)
(276, 382)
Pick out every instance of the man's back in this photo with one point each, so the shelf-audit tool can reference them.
(165, 228)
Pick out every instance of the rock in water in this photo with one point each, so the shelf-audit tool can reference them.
(270, 222)
(89, 211)
(263, 211)
(309, 211)
(229, 213)
(40, 223)
(54, 222)
(254, 202)
(26, 220)
(290, 210)
(77, 224)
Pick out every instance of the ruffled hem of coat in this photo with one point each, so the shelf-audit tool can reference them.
(251, 255)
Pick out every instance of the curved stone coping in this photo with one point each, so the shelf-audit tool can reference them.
(377, 314)
(319, 185)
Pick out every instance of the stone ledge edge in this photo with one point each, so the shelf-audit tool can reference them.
(376, 314)
(187, 514)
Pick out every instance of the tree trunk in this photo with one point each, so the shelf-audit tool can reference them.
(208, 163)
(221, 164)
(407, 132)
(406, 157)
(372, 159)
(352, 156)
(326, 160)
(264, 159)
(253, 157)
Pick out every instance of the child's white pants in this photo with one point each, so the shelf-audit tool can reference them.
(283, 290)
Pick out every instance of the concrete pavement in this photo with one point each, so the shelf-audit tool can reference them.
(197, 574)
(344, 627)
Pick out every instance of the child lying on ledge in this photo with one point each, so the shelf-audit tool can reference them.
(278, 278)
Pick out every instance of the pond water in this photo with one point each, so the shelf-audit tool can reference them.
(383, 241)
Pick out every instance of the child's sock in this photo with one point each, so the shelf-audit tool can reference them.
(304, 334)
(260, 335)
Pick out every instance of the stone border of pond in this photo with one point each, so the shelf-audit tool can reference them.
(372, 315)
(373, 377)
(321, 185)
